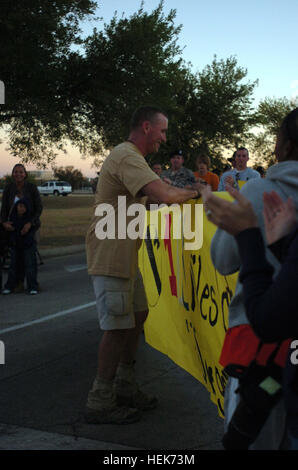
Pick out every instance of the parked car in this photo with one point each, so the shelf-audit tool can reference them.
(55, 188)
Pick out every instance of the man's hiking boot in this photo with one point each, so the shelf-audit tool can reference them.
(116, 415)
(128, 392)
(139, 400)
(102, 407)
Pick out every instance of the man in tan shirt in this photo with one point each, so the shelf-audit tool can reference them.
(112, 258)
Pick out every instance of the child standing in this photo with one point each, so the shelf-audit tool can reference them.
(23, 247)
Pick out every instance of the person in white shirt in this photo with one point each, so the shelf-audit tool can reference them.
(240, 173)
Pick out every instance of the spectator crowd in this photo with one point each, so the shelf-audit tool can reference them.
(256, 235)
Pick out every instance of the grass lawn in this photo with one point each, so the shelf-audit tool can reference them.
(65, 220)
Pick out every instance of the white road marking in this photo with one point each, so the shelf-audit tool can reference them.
(47, 318)
(75, 267)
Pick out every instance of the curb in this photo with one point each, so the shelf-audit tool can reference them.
(18, 438)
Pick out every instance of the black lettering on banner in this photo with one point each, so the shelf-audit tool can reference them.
(221, 380)
(211, 375)
(199, 274)
(214, 321)
(156, 243)
(184, 301)
(192, 280)
(220, 407)
(199, 352)
(194, 284)
(205, 295)
(226, 297)
(209, 293)
(185, 304)
(152, 260)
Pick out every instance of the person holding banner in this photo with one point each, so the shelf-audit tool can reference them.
(240, 172)
(115, 396)
(283, 179)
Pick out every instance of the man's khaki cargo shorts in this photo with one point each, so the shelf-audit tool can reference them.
(117, 301)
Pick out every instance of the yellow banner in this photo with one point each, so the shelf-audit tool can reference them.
(188, 299)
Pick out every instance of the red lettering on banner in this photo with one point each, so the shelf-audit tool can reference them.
(168, 247)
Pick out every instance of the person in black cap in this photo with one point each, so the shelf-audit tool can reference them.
(178, 175)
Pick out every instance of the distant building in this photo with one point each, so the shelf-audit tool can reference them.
(42, 175)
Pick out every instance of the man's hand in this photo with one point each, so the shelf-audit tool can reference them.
(197, 186)
(26, 228)
(201, 185)
(233, 218)
(8, 226)
(279, 217)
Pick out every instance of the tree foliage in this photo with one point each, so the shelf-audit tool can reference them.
(210, 109)
(269, 116)
(133, 61)
(39, 70)
(217, 112)
(70, 174)
(56, 95)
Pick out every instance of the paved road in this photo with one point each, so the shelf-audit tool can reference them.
(50, 359)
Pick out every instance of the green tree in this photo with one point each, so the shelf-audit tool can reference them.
(268, 116)
(133, 61)
(211, 109)
(70, 174)
(56, 95)
(87, 97)
(40, 71)
(223, 113)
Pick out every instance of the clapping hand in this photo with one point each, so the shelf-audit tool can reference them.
(233, 218)
(229, 181)
(279, 216)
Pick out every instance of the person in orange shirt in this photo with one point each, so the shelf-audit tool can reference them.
(203, 173)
